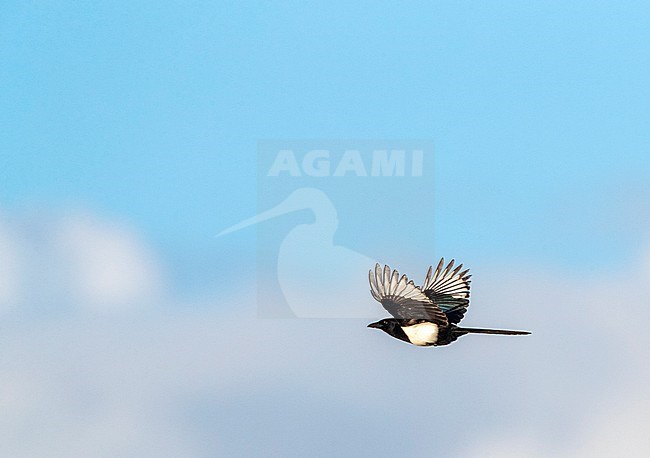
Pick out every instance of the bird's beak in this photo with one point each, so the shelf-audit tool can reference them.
(374, 325)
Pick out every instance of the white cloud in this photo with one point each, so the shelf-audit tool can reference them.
(108, 265)
(620, 429)
(75, 260)
(201, 381)
(589, 395)
(10, 267)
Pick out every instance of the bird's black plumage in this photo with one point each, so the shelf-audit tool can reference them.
(426, 315)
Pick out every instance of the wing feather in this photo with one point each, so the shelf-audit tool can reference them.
(448, 289)
(402, 298)
(373, 286)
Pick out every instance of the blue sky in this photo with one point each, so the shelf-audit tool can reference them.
(152, 113)
(146, 117)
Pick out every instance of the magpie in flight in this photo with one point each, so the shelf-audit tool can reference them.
(428, 315)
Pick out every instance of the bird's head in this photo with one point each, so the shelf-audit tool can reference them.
(381, 324)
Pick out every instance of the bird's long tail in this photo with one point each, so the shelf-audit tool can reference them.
(490, 331)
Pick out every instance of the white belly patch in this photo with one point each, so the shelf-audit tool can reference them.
(422, 333)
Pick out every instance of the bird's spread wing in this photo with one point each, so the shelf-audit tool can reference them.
(401, 298)
(448, 289)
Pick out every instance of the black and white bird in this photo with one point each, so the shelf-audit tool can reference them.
(428, 315)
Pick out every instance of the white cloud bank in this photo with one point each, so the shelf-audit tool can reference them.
(108, 266)
(73, 261)
(11, 267)
(203, 381)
